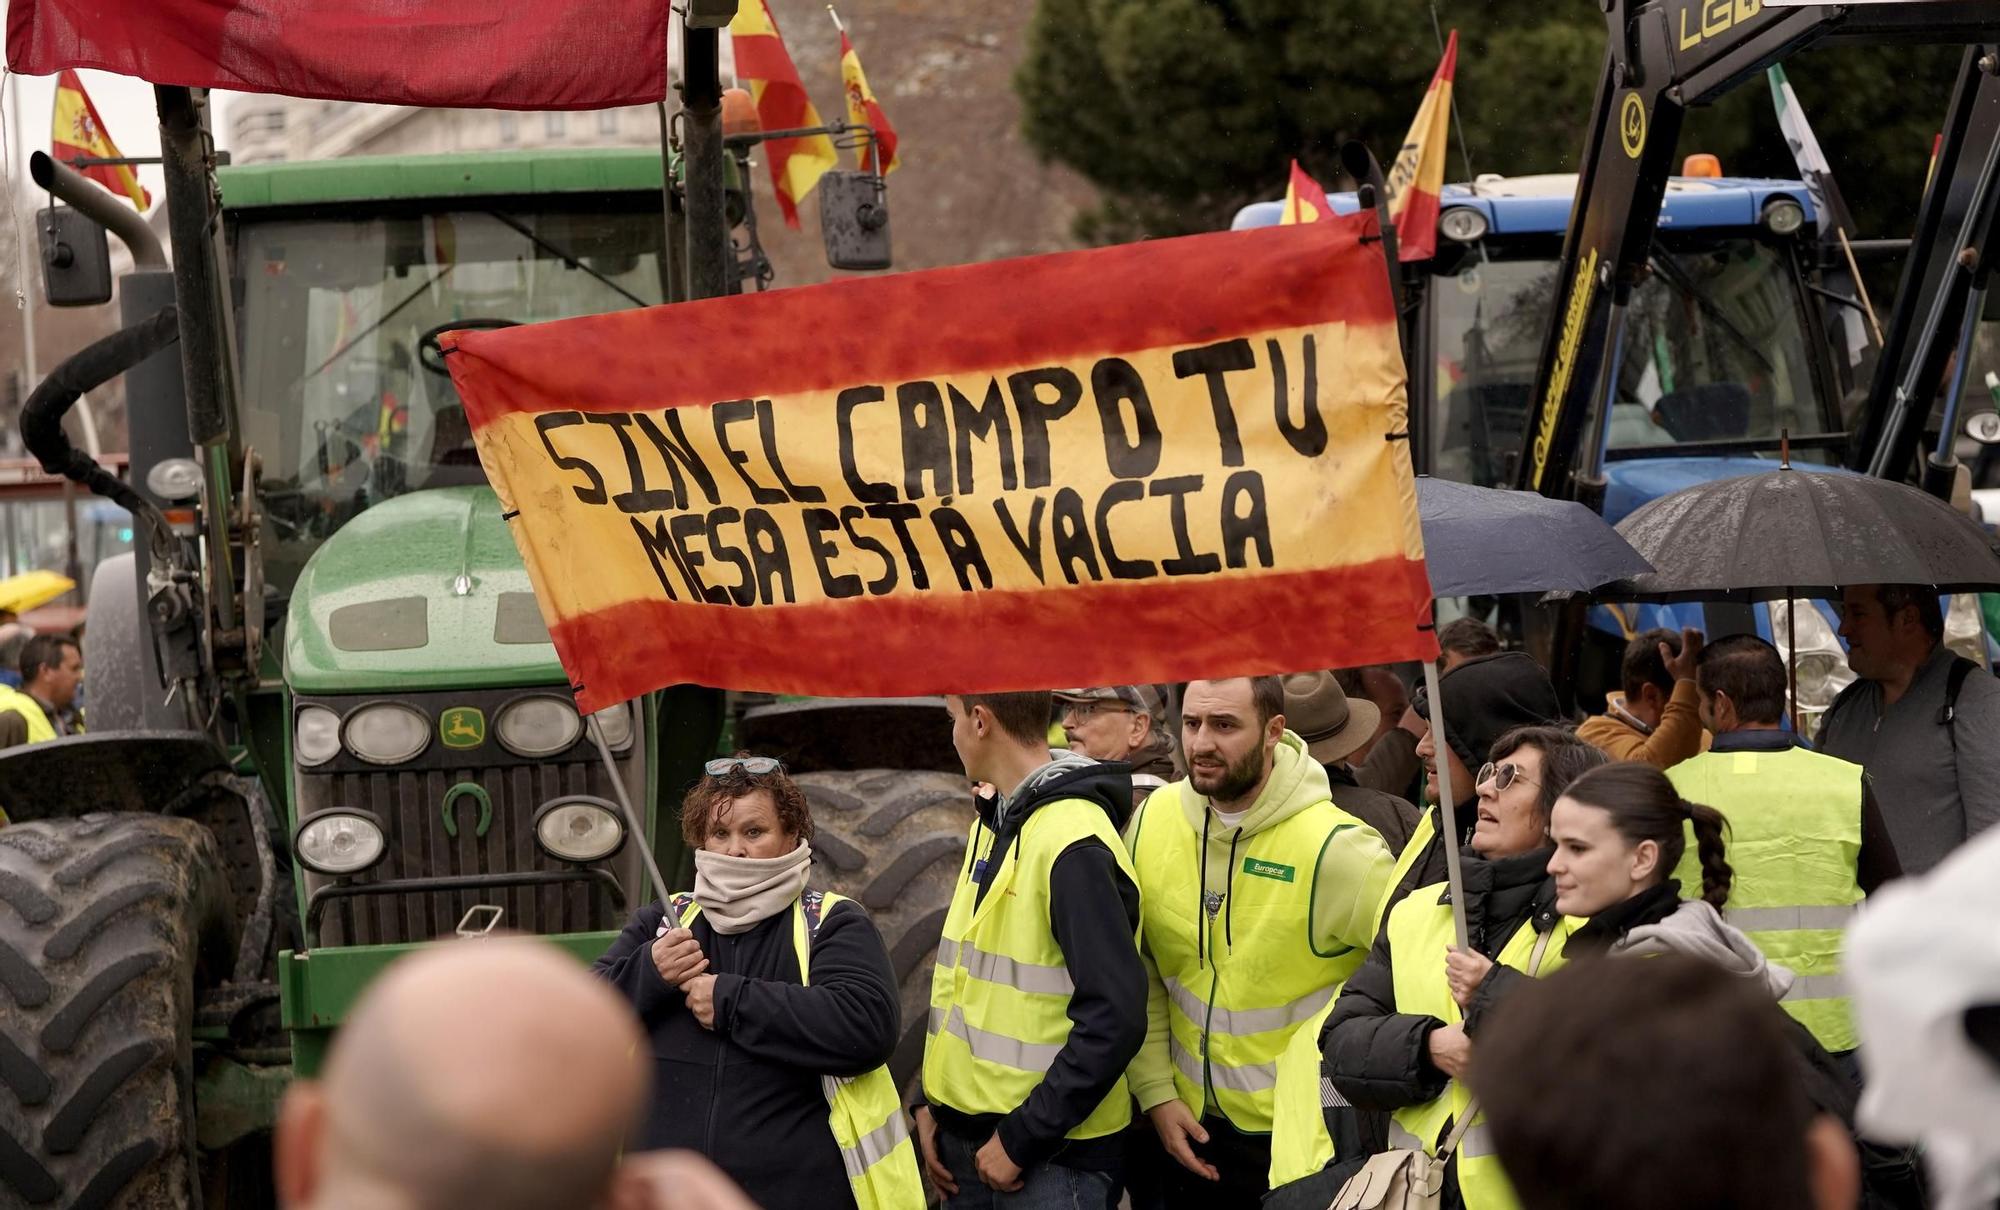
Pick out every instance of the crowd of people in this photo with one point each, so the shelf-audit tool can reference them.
(1207, 953)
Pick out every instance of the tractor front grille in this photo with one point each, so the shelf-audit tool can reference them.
(411, 807)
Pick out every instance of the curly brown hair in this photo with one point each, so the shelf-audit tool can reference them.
(710, 793)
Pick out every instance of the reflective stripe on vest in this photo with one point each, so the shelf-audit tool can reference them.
(1000, 991)
(864, 1112)
(998, 968)
(1242, 980)
(1794, 837)
(1420, 928)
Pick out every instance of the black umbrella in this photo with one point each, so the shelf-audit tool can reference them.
(1788, 533)
(1484, 541)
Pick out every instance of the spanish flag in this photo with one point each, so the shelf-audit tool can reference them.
(78, 131)
(1305, 201)
(1417, 176)
(1011, 452)
(782, 104)
(864, 110)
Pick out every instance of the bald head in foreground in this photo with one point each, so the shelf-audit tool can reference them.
(494, 1073)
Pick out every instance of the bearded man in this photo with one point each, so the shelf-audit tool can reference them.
(1257, 899)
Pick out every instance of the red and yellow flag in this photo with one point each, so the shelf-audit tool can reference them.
(782, 104)
(78, 131)
(864, 110)
(1189, 436)
(1417, 177)
(1305, 201)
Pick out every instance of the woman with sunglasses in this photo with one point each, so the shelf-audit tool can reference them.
(1401, 1034)
(772, 1008)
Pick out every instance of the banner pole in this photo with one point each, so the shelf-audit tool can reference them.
(1446, 811)
(636, 825)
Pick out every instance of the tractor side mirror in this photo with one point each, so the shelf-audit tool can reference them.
(854, 220)
(76, 258)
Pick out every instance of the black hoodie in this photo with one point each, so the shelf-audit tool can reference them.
(1094, 913)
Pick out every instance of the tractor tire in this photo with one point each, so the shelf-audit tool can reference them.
(109, 924)
(893, 840)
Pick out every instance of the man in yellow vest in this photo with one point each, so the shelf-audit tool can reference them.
(1806, 838)
(51, 670)
(1259, 897)
(1038, 1000)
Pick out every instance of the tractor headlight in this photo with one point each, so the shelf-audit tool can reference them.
(386, 733)
(538, 726)
(1783, 216)
(339, 842)
(617, 724)
(1462, 223)
(579, 829)
(315, 736)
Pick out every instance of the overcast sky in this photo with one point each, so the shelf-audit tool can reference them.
(125, 104)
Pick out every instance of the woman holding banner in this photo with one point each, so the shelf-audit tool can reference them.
(772, 1008)
(1400, 1036)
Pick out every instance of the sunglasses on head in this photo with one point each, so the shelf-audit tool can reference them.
(1501, 776)
(749, 764)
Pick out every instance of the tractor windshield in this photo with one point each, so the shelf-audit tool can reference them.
(345, 395)
(1715, 350)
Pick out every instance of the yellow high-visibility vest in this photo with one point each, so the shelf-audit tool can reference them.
(1300, 1144)
(1420, 930)
(864, 1111)
(1000, 992)
(13, 701)
(1794, 836)
(1237, 989)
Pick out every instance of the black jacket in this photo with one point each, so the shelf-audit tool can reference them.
(1094, 913)
(1379, 1058)
(1393, 817)
(747, 1094)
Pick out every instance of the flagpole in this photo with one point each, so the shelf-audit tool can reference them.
(1860, 285)
(24, 246)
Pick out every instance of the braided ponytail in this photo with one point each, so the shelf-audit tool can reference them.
(1709, 830)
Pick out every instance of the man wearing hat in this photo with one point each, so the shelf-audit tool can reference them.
(1334, 727)
(1125, 723)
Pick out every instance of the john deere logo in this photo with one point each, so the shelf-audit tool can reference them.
(1269, 869)
(462, 727)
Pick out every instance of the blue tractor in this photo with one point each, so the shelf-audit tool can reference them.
(1742, 336)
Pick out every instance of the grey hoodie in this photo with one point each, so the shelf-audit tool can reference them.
(1699, 931)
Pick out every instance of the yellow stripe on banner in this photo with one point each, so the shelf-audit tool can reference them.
(1048, 473)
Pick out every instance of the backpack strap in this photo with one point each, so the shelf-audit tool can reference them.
(1954, 683)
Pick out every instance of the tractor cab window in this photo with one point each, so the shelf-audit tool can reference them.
(1714, 349)
(345, 394)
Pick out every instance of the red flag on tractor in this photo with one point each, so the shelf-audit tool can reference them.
(864, 110)
(1417, 176)
(77, 132)
(782, 104)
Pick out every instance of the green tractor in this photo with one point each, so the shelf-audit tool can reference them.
(327, 722)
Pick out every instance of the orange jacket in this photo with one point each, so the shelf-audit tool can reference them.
(1678, 737)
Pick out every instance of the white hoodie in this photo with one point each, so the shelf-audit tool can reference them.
(1699, 931)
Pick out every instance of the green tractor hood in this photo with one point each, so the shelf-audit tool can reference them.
(423, 591)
